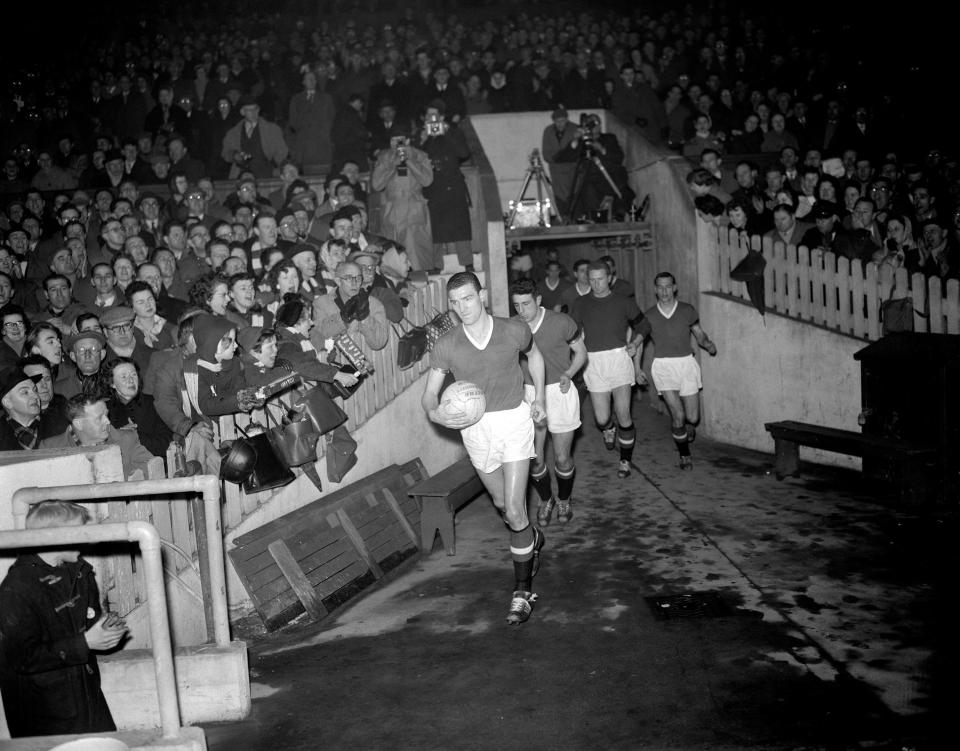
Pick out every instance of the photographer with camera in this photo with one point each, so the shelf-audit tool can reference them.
(402, 171)
(600, 181)
(447, 196)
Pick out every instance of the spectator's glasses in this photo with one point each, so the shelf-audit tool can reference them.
(13, 325)
(87, 351)
(356, 279)
(121, 328)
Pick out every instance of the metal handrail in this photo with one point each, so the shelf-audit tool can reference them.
(207, 485)
(147, 536)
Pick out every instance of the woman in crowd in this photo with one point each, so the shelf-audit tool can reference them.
(128, 406)
(211, 294)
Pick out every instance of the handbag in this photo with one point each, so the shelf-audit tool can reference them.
(439, 325)
(411, 344)
(323, 413)
(294, 441)
(269, 471)
(341, 453)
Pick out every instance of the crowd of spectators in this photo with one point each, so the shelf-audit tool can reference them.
(131, 294)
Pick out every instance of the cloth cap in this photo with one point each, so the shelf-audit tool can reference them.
(559, 112)
(113, 316)
(247, 337)
(74, 338)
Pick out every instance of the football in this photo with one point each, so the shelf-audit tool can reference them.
(464, 398)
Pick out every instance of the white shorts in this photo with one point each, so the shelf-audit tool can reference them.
(502, 436)
(676, 374)
(563, 410)
(608, 369)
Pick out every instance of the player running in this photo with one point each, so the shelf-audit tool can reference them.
(675, 371)
(485, 350)
(557, 336)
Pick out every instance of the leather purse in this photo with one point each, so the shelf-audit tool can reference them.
(411, 344)
(323, 413)
(439, 325)
(294, 441)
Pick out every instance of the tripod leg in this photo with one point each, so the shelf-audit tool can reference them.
(580, 176)
(548, 189)
(516, 205)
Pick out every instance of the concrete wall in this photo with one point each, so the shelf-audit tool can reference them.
(396, 434)
(772, 368)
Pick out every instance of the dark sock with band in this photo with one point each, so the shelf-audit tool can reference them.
(680, 438)
(565, 482)
(540, 477)
(521, 550)
(626, 436)
(607, 426)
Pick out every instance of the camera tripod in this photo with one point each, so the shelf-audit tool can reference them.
(544, 190)
(581, 177)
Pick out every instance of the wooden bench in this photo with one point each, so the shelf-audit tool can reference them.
(440, 497)
(909, 459)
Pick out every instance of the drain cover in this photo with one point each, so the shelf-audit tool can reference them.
(689, 605)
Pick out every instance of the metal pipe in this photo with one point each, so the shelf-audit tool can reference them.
(207, 485)
(149, 540)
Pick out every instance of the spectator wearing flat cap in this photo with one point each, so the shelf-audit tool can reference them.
(556, 137)
(90, 426)
(79, 374)
(20, 417)
(304, 258)
(823, 235)
(119, 331)
(254, 144)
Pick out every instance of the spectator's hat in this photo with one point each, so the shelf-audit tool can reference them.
(71, 315)
(439, 105)
(345, 212)
(286, 213)
(115, 315)
(13, 377)
(113, 155)
(299, 248)
(368, 253)
(247, 101)
(824, 210)
(90, 334)
(931, 220)
(559, 112)
(247, 337)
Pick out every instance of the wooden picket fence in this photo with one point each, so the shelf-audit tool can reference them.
(377, 390)
(831, 291)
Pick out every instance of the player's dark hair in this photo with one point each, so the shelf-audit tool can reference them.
(524, 287)
(462, 279)
(599, 266)
(664, 275)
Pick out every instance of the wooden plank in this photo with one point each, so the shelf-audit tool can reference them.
(816, 286)
(298, 582)
(857, 301)
(803, 282)
(844, 316)
(182, 535)
(779, 262)
(358, 543)
(457, 475)
(830, 304)
(951, 306)
(934, 308)
(872, 292)
(391, 500)
(792, 288)
(198, 515)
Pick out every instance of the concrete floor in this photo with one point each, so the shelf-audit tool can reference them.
(839, 634)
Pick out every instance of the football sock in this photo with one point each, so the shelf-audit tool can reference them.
(565, 481)
(680, 438)
(607, 426)
(521, 550)
(541, 481)
(625, 439)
